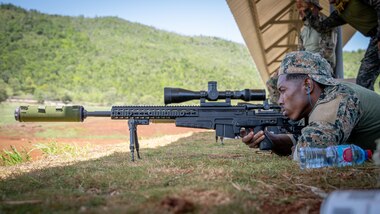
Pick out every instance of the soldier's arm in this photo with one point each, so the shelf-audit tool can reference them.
(376, 5)
(282, 143)
(334, 20)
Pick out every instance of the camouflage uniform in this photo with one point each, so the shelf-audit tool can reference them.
(313, 41)
(345, 112)
(363, 16)
(272, 89)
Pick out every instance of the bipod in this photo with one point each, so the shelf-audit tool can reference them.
(133, 139)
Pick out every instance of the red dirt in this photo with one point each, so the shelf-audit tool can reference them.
(23, 135)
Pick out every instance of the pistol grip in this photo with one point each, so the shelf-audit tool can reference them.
(266, 144)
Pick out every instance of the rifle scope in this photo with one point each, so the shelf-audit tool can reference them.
(179, 95)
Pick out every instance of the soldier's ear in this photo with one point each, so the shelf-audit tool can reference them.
(308, 85)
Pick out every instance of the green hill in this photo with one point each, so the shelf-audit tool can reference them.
(111, 60)
(352, 61)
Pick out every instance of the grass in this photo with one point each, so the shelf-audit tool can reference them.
(7, 113)
(59, 133)
(62, 131)
(194, 174)
(13, 157)
(54, 148)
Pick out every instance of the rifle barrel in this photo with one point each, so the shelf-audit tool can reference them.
(97, 113)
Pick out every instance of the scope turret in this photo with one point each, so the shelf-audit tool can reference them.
(179, 95)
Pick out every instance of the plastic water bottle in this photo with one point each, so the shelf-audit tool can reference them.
(336, 156)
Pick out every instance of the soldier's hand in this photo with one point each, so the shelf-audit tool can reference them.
(251, 139)
(301, 7)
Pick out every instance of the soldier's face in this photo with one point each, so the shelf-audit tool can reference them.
(293, 98)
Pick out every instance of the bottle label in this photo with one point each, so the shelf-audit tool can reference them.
(344, 155)
(347, 154)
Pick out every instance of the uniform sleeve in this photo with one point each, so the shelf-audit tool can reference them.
(376, 5)
(331, 123)
(327, 45)
(334, 20)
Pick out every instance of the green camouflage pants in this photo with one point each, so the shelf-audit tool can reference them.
(370, 68)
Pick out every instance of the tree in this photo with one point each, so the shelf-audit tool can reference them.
(3, 91)
(66, 99)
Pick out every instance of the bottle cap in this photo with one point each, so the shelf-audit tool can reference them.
(368, 154)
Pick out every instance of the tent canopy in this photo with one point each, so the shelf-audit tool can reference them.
(270, 29)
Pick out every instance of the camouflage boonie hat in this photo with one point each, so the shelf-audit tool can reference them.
(312, 64)
(315, 2)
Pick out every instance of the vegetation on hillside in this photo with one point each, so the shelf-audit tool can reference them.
(110, 60)
(351, 65)
(352, 61)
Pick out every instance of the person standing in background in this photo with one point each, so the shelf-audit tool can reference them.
(311, 40)
(364, 16)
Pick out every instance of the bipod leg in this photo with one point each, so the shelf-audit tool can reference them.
(133, 139)
(137, 146)
(221, 139)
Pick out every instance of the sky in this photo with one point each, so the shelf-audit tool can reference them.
(186, 17)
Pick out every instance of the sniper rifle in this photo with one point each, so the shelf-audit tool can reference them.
(226, 119)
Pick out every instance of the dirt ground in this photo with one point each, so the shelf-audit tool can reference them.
(93, 131)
